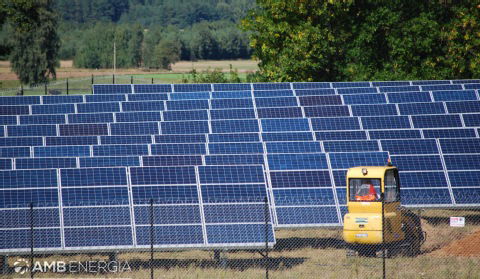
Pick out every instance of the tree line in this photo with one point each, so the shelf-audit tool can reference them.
(308, 40)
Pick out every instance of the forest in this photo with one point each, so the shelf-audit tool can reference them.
(147, 33)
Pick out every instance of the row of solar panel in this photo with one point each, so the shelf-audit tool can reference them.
(311, 107)
(412, 146)
(388, 86)
(323, 128)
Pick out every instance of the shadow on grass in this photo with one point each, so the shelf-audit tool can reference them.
(236, 264)
(293, 243)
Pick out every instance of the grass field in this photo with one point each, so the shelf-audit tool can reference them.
(306, 253)
(180, 70)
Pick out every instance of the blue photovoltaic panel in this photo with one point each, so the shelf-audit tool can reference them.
(284, 125)
(190, 96)
(109, 162)
(341, 135)
(464, 178)
(232, 114)
(8, 120)
(231, 87)
(283, 112)
(142, 128)
(473, 86)
(231, 94)
(471, 120)
(14, 152)
(32, 130)
(293, 147)
(147, 97)
(243, 159)
(42, 119)
(90, 118)
(14, 110)
(62, 99)
(152, 88)
(234, 174)
(466, 195)
(191, 87)
(187, 105)
(423, 180)
(436, 121)
(421, 108)
(314, 92)
(276, 102)
(348, 160)
(409, 97)
(426, 197)
(462, 162)
(388, 89)
(373, 110)
(307, 85)
(364, 99)
(126, 139)
(269, 86)
(104, 98)
(178, 149)
(163, 176)
(93, 177)
(23, 141)
(62, 151)
(5, 164)
(98, 107)
(417, 163)
(351, 84)
(44, 163)
(53, 109)
(28, 179)
(390, 83)
(450, 146)
(185, 127)
(320, 100)
(112, 88)
(326, 111)
(235, 126)
(159, 161)
(231, 103)
(183, 115)
(180, 138)
(294, 136)
(350, 146)
(420, 146)
(463, 107)
(395, 134)
(430, 82)
(457, 95)
(295, 197)
(83, 130)
(17, 100)
(273, 93)
(441, 87)
(247, 137)
(449, 133)
(340, 123)
(120, 150)
(292, 179)
(235, 148)
(144, 116)
(143, 106)
(357, 90)
(297, 161)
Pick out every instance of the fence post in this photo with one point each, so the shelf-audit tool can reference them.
(151, 239)
(21, 89)
(67, 86)
(267, 261)
(383, 237)
(92, 79)
(31, 241)
(131, 79)
(113, 79)
(152, 80)
(46, 92)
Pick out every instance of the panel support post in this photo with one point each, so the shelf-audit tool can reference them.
(383, 237)
(3, 264)
(31, 241)
(151, 238)
(267, 262)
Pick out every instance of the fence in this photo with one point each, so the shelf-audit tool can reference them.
(448, 252)
(76, 85)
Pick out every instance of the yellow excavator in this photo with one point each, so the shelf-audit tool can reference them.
(368, 232)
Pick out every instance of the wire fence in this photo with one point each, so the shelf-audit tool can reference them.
(75, 86)
(436, 244)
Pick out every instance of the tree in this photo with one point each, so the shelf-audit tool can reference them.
(34, 40)
(307, 40)
(166, 53)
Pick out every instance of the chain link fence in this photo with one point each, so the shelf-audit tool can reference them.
(76, 85)
(450, 250)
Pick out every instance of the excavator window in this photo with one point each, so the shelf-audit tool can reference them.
(364, 189)
(391, 186)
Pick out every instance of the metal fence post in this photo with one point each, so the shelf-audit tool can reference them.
(67, 86)
(152, 80)
(151, 238)
(383, 237)
(113, 79)
(266, 237)
(31, 241)
(21, 89)
(131, 79)
(46, 92)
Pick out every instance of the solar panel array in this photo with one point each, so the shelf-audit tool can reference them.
(198, 150)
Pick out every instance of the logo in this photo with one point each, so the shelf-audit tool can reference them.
(21, 266)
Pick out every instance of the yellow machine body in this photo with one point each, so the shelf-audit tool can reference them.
(363, 222)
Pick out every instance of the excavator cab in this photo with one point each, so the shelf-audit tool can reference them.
(367, 188)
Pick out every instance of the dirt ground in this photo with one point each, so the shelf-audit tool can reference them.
(468, 246)
(66, 69)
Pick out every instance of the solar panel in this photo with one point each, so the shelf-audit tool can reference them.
(111, 153)
(112, 88)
